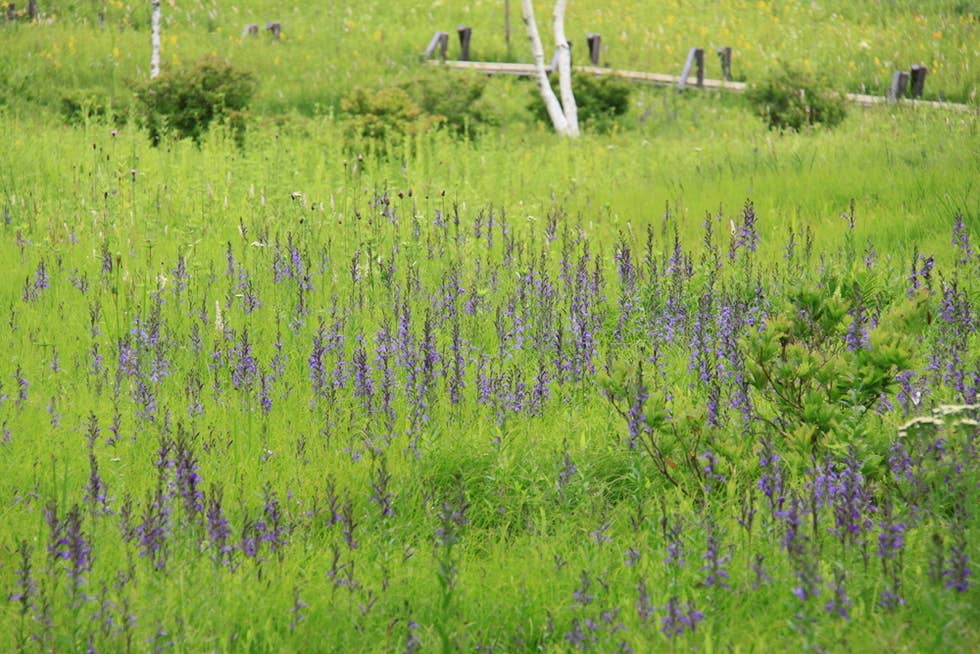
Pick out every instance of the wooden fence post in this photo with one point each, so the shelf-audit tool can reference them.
(725, 54)
(32, 9)
(465, 34)
(918, 79)
(439, 40)
(595, 44)
(507, 26)
(695, 57)
(900, 85)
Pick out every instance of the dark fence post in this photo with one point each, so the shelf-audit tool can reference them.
(695, 57)
(32, 9)
(900, 85)
(725, 54)
(11, 11)
(274, 28)
(465, 33)
(918, 75)
(595, 44)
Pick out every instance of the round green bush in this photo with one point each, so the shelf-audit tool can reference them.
(793, 100)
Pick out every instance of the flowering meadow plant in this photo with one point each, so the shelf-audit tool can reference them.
(690, 385)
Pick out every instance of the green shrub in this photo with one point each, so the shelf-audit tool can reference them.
(456, 99)
(88, 105)
(819, 373)
(791, 99)
(185, 102)
(386, 115)
(415, 106)
(601, 101)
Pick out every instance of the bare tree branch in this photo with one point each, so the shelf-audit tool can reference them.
(155, 39)
(554, 108)
(569, 108)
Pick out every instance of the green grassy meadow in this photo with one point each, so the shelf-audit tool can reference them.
(687, 384)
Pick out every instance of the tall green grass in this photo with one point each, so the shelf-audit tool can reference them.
(328, 50)
(504, 522)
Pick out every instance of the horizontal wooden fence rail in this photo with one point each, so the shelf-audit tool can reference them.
(504, 68)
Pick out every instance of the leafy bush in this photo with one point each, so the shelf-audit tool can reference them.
(386, 115)
(456, 99)
(601, 100)
(87, 105)
(791, 99)
(819, 372)
(415, 106)
(186, 102)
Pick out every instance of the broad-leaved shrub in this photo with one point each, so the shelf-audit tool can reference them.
(793, 100)
(185, 102)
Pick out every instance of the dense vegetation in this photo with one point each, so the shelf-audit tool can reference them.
(424, 377)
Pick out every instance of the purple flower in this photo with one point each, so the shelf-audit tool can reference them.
(380, 493)
(568, 470)
(363, 382)
(772, 480)
(891, 540)
(106, 257)
(26, 592)
(889, 599)
(413, 643)
(672, 530)
(153, 529)
(245, 370)
(271, 528)
(456, 376)
(599, 536)
(745, 236)
(711, 475)
(582, 634)
(644, 609)
(637, 415)
(296, 612)
(188, 479)
(840, 602)
(961, 241)
(95, 490)
(179, 273)
(713, 563)
(265, 401)
(67, 541)
(22, 386)
(856, 336)
(761, 576)
(679, 619)
(217, 527)
(958, 573)
(582, 596)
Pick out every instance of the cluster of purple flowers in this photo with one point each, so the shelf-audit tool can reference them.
(379, 351)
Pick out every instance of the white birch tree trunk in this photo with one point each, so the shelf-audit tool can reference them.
(155, 39)
(554, 108)
(568, 105)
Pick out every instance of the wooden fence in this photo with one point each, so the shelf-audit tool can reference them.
(906, 87)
